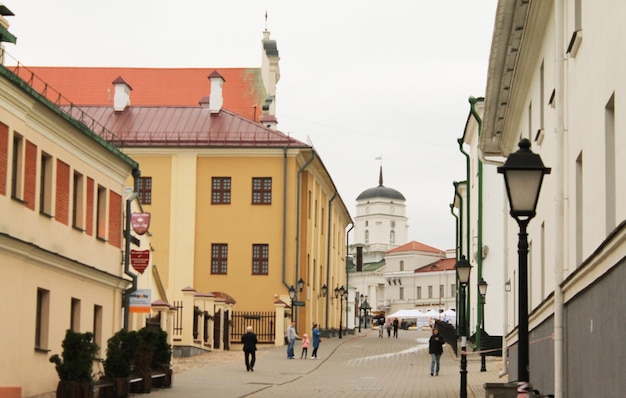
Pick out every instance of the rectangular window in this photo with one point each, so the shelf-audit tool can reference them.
(97, 324)
(441, 291)
(220, 190)
(45, 185)
(75, 315)
(4, 157)
(17, 163)
(42, 319)
(419, 292)
(260, 259)
(610, 171)
(262, 191)
(401, 293)
(579, 208)
(401, 265)
(219, 258)
(78, 201)
(145, 190)
(452, 289)
(430, 292)
(101, 214)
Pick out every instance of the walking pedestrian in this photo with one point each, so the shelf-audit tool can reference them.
(435, 349)
(305, 345)
(249, 341)
(388, 326)
(381, 325)
(316, 340)
(395, 327)
(291, 339)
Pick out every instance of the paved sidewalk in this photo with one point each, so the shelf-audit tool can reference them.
(360, 365)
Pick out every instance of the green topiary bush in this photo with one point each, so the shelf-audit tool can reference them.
(79, 353)
(122, 348)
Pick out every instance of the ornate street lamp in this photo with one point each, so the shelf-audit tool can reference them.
(300, 285)
(340, 292)
(482, 289)
(463, 269)
(324, 290)
(523, 175)
(292, 296)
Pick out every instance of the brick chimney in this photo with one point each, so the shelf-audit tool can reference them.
(121, 96)
(216, 99)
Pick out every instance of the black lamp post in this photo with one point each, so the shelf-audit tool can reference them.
(482, 289)
(523, 174)
(365, 307)
(293, 294)
(339, 293)
(463, 268)
(324, 290)
(360, 310)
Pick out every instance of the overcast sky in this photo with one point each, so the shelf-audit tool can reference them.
(359, 78)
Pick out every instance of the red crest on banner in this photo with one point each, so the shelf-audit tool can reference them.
(140, 222)
(139, 259)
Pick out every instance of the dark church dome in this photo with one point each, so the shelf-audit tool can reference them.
(381, 191)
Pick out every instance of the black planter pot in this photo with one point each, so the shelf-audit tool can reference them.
(74, 389)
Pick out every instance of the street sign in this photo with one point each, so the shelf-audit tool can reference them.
(298, 303)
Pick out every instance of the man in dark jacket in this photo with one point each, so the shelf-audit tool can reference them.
(435, 349)
(249, 348)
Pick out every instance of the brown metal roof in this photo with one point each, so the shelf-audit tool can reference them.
(179, 126)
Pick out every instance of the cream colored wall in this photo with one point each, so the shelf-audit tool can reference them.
(39, 252)
(54, 136)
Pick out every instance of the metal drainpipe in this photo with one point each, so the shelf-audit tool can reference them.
(456, 236)
(460, 252)
(328, 240)
(346, 262)
(559, 202)
(468, 246)
(297, 266)
(284, 254)
(136, 174)
(479, 249)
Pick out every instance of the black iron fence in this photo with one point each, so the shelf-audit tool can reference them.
(263, 324)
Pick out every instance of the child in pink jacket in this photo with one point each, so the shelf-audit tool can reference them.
(305, 345)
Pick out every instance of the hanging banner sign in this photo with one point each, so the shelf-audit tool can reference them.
(140, 259)
(140, 300)
(140, 222)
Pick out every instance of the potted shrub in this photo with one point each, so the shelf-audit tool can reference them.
(143, 360)
(75, 366)
(122, 348)
(162, 358)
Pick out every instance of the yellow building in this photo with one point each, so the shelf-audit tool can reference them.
(239, 210)
(61, 239)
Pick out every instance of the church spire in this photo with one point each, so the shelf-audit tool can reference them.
(380, 177)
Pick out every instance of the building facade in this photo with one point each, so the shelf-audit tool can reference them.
(555, 78)
(239, 209)
(61, 234)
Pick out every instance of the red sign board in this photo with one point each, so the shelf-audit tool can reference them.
(140, 222)
(139, 259)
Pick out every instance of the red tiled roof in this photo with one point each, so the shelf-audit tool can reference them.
(445, 264)
(416, 246)
(243, 91)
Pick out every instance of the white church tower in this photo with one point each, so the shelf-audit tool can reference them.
(380, 223)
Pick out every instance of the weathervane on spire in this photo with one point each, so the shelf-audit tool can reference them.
(266, 20)
(380, 176)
